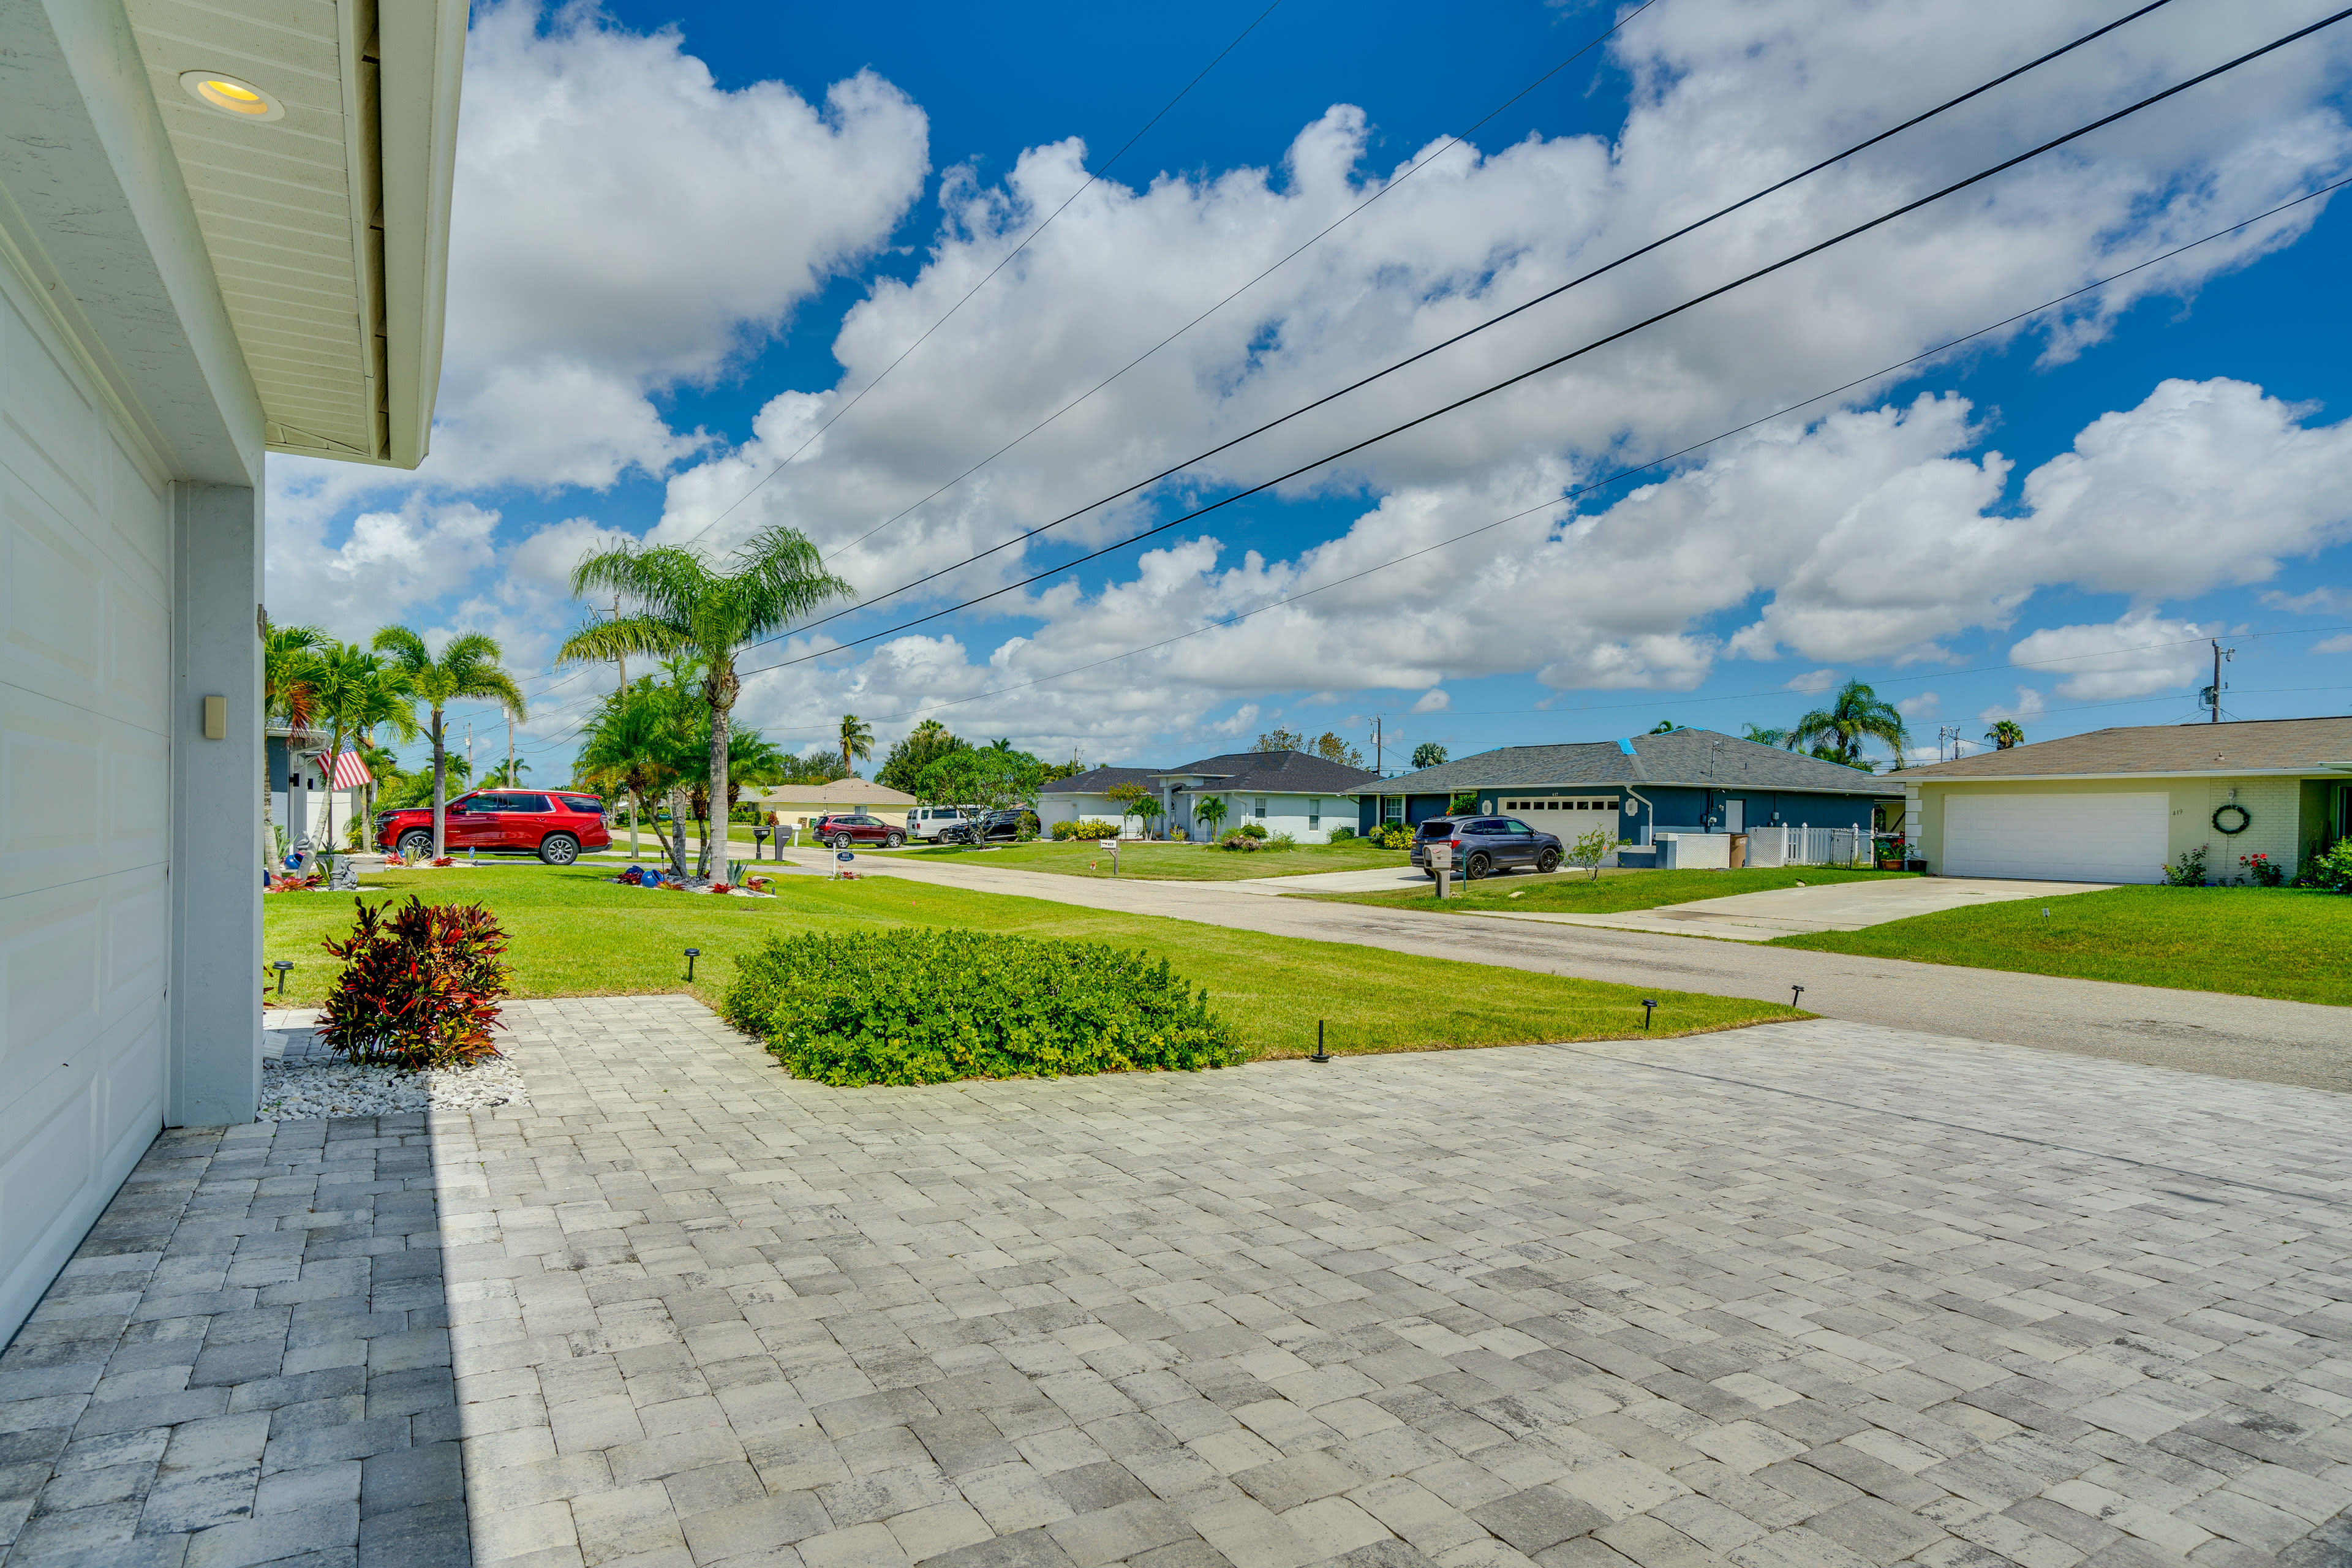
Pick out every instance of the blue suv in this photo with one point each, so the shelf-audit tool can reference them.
(1487, 844)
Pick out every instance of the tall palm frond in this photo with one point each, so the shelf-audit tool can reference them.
(1837, 733)
(467, 669)
(856, 741)
(679, 603)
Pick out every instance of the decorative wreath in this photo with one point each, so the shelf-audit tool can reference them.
(2245, 818)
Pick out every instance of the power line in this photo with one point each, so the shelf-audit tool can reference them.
(1688, 304)
(1092, 177)
(1550, 294)
(1630, 472)
(1417, 166)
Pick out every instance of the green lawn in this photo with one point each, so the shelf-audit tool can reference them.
(2287, 942)
(1577, 894)
(1173, 862)
(573, 934)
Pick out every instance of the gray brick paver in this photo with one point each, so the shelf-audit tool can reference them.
(1779, 1296)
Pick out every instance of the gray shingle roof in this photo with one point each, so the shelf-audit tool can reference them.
(1093, 781)
(1296, 773)
(1688, 757)
(2241, 746)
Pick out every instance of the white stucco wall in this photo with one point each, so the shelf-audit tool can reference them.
(1285, 814)
(85, 595)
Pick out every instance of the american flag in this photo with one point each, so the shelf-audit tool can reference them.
(351, 772)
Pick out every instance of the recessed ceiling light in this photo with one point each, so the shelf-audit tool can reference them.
(231, 96)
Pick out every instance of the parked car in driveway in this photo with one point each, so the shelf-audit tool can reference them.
(844, 830)
(556, 825)
(997, 827)
(929, 822)
(1482, 845)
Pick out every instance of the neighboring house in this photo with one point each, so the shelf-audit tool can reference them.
(2116, 805)
(1687, 780)
(188, 279)
(299, 791)
(1081, 799)
(1296, 792)
(798, 802)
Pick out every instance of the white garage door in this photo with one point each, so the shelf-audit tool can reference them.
(2057, 837)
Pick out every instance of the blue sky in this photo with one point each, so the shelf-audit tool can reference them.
(684, 233)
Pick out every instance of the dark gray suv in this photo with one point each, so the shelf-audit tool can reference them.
(1487, 844)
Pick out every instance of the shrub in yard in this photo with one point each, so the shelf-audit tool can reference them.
(1393, 836)
(420, 986)
(1093, 827)
(928, 1006)
(1237, 839)
(1341, 835)
(2188, 871)
(1279, 841)
(1252, 830)
(2330, 869)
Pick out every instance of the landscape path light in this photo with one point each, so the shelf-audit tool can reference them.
(1649, 1005)
(1795, 992)
(282, 965)
(691, 954)
(1320, 1054)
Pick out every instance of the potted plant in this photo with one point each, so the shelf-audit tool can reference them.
(1890, 854)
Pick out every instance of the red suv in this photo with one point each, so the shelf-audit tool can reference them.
(556, 826)
(843, 828)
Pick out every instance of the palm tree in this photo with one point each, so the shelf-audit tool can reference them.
(355, 693)
(1763, 736)
(2006, 733)
(504, 777)
(1836, 733)
(290, 692)
(638, 744)
(1213, 812)
(681, 604)
(467, 668)
(754, 761)
(856, 741)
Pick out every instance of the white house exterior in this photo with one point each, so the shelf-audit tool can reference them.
(2118, 805)
(1296, 792)
(183, 287)
(1082, 798)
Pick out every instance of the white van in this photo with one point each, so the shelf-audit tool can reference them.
(924, 822)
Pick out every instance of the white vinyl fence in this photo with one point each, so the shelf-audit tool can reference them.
(1809, 846)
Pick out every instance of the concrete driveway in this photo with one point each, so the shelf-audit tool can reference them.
(1834, 906)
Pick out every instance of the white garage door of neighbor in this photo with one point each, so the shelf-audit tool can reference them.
(2058, 837)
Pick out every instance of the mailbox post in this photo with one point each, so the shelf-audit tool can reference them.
(1441, 864)
(759, 844)
(1111, 844)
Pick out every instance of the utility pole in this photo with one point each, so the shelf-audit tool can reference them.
(469, 753)
(2213, 693)
(620, 659)
(510, 778)
(1378, 772)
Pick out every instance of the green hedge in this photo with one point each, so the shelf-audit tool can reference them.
(928, 1006)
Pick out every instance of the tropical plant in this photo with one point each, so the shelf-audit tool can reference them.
(289, 664)
(1429, 754)
(1134, 799)
(2005, 733)
(1836, 733)
(2188, 871)
(1086, 828)
(1212, 810)
(505, 775)
(1665, 727)
(645, 742)
(418, 989)
(922, 746)
(1763, 736)
(467, 669)
(856, 742)
(356, 692)
(753, 762)
(674, 602)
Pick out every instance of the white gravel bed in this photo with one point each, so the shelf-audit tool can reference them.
(308, 1090)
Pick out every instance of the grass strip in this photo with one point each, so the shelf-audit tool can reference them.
(575, 934)
(1158, 862)
(2286, 943)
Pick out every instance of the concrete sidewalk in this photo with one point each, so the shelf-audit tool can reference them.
(2238, 1036)
(1835, 906)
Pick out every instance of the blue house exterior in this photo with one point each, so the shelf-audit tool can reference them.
(1687, 780)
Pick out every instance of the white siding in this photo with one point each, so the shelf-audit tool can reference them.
(85, 777)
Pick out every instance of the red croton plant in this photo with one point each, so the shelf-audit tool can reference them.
(420, 986)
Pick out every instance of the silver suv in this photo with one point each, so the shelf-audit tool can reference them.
(1482, 845)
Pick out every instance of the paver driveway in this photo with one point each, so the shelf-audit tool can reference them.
(1816, 1293)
